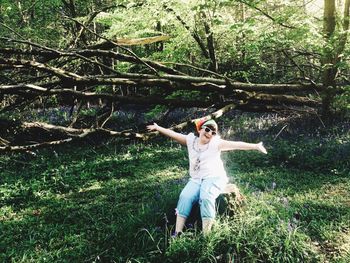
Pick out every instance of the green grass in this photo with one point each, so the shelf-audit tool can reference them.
(115, 203)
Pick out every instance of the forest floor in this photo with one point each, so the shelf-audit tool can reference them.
(114, 201)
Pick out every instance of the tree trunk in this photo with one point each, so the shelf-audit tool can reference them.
(210, 43)
(330, 69)
(332, 52)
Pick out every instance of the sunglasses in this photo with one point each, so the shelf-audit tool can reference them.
(207, 129)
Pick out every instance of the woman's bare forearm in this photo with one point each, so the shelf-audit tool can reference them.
(180, 138)
(236, 145)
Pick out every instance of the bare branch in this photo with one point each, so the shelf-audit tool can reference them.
(149, 100)
(84, 133)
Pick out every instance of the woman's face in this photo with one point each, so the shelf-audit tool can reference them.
(206, 133)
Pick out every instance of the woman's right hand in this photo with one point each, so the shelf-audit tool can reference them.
(152, 127)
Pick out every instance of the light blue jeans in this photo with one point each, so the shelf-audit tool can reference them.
(205, 192)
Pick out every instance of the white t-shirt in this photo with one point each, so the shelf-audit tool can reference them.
(205, 163)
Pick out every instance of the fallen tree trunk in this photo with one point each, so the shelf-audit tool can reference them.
(80, 76)
(74, 134)
(28, 89)
(145, 80)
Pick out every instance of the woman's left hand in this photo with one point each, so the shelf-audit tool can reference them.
(261, 148)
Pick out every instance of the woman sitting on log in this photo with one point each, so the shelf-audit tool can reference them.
(208, 177)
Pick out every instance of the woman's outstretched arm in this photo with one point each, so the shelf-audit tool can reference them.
(233, 145)
(180, 138)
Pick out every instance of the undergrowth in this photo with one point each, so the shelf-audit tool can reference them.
(115, 203)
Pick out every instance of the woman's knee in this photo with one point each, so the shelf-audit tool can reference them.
(187, 197)
(185, 204)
